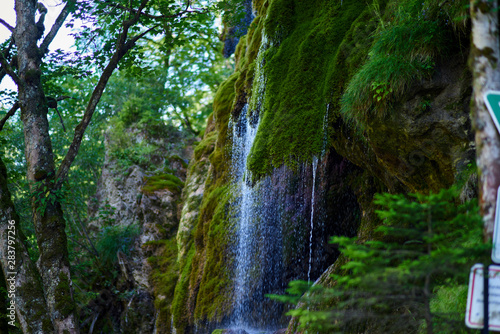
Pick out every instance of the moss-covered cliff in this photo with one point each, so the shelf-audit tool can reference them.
(312, 73)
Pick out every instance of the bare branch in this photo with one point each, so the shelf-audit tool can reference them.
(52, 103)
(44, 47)
(11, 113)
(64, 97)
(8, 26)
(60, 119)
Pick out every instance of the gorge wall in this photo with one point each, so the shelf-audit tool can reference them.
(319, 124)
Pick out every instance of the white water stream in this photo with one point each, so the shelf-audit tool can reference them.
(244, 131)
(314, 167)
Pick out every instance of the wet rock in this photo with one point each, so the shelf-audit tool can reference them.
(280, 331)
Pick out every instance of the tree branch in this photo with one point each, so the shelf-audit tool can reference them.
(52, 103)
(11, 113)
(44, 47)
(134, 39)
(122, 47)
(6, 53)
(8, 69)
(8, 26)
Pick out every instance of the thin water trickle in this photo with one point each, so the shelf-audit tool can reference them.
(314, 167)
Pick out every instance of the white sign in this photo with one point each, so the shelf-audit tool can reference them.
(495, 253)
(474, 316)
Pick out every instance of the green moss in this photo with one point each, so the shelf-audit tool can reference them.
(202, 270)
(206, 145)
(162, 181)
(298, 70)
(62, 295)
(213, 298)
(180, 308)
(164, 276)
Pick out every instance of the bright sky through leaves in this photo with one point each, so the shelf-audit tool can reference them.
(63, 39)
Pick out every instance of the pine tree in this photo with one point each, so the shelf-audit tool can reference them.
(389, 284)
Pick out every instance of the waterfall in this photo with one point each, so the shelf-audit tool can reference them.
(244, 131)
(270, 221)
(258, 245)
(314, 167)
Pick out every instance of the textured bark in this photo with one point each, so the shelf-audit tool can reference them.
(29, 298)
(47, 216)
(484, 62)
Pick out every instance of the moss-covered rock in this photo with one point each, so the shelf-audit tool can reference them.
(299, 64)
(202, 252)
(162, 181)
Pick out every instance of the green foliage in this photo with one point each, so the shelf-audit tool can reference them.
(47, 193)
(146, 143)
(410, 278)
(163, 181)
(410, 38)
(112, 239)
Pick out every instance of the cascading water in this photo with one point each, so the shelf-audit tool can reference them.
(258, 244)
(244, 131)
(270, 222)
(313, 192)
(314, 167)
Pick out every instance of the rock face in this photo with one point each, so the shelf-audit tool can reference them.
(431, 130)
(138, 197)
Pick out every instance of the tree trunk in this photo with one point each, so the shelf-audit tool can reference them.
(30, 305)
(47, 213)
(486, 76)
